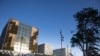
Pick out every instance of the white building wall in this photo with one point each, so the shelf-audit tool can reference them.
(45, 49)
(61, 52)
(48, 49)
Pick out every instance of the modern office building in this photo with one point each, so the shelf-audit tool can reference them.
(45, 50)
(61, 52)
(19, 37)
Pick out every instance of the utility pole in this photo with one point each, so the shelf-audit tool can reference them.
(62, 39)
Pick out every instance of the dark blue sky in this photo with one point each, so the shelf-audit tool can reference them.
(49, 16)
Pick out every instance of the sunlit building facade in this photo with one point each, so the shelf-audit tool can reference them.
(19, 37)
(45, 50)
(62, 52)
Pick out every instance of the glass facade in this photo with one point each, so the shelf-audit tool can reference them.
(21, 44)
(18, 38)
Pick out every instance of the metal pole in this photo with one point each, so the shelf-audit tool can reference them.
(61, 43)
(61, 40)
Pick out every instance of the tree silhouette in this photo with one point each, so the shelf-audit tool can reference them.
(88, 31)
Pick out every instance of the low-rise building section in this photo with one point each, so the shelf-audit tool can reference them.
(61, 52)
(45, 49)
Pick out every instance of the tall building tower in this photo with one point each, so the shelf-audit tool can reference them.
(19, 37)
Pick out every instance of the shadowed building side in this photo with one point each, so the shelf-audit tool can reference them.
(8, 35)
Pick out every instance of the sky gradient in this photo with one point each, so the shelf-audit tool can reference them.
(49, 16)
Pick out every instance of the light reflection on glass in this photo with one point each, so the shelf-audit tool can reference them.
(21, 44)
